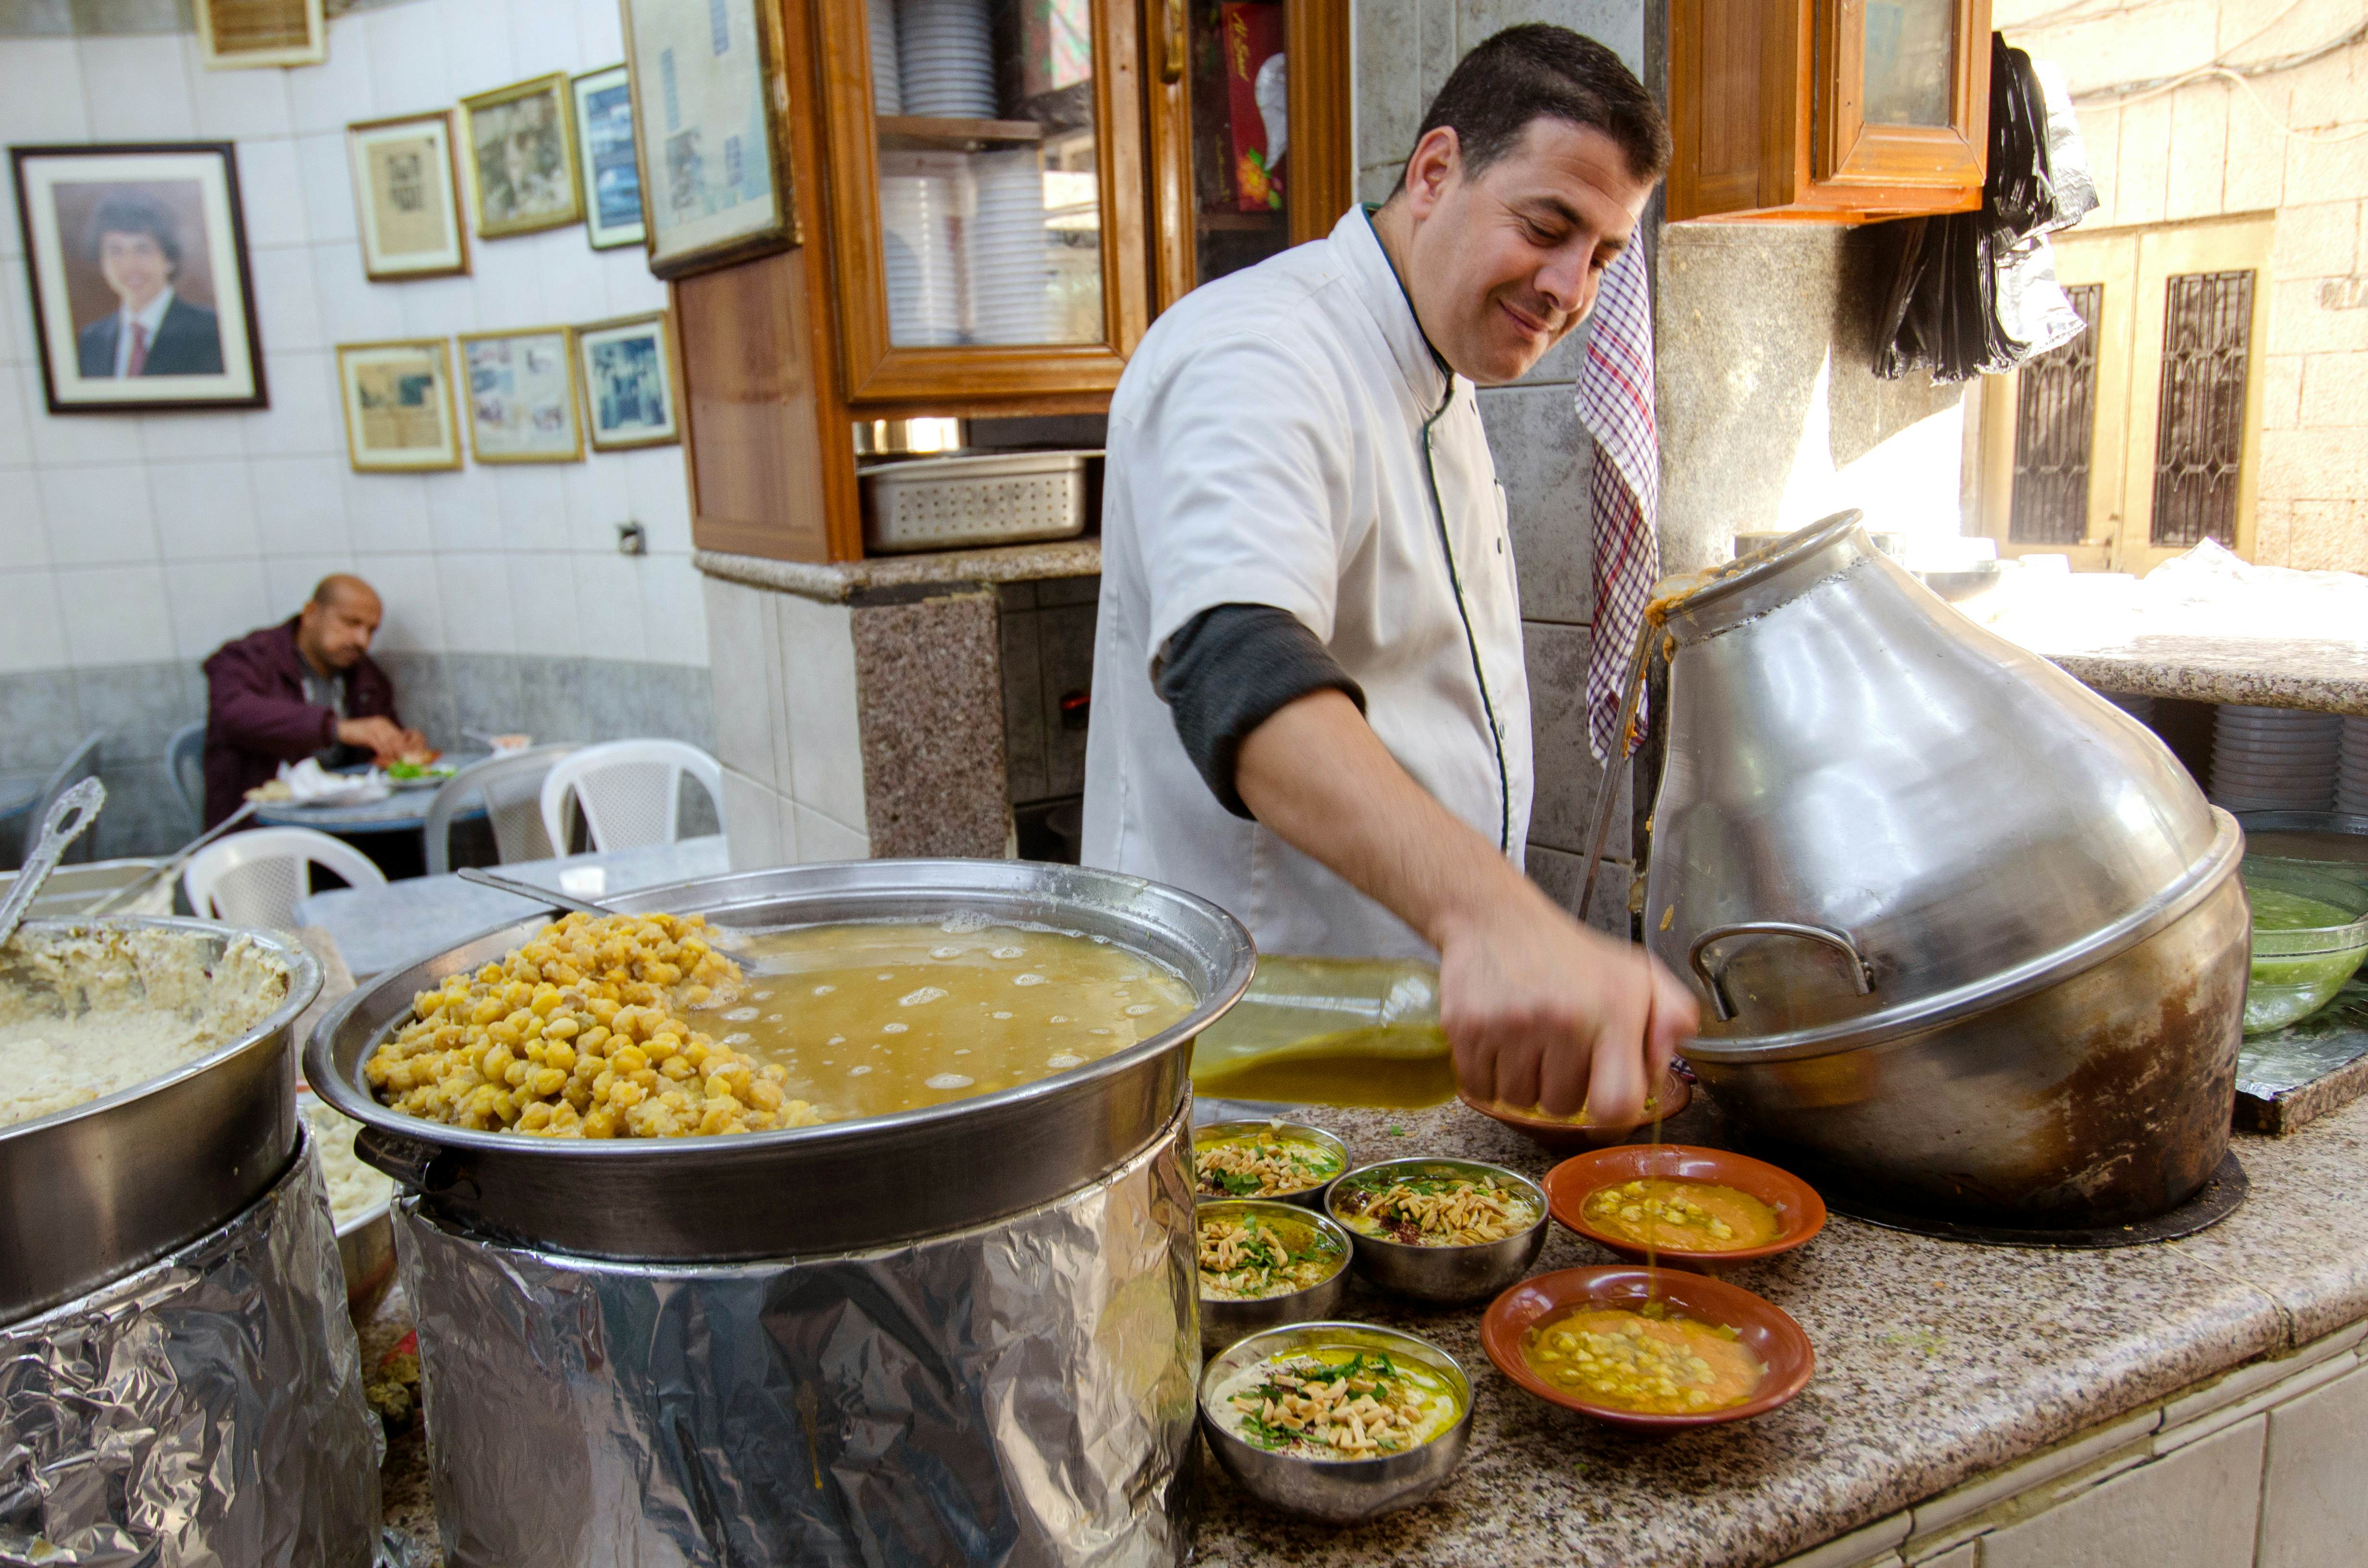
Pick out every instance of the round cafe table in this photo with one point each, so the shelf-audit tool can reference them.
(387, 831)
(402, 811)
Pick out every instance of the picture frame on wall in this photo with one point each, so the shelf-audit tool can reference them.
(627, 371)
(714, 166)
(603, 105)
(407, 197)
(136, 257)
(519, 150)
(524, 406)
(235, 35)
(399, 405)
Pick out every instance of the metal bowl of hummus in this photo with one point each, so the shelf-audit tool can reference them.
(147, 1092)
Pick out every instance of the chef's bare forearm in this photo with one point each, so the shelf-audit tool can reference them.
(1318, 778)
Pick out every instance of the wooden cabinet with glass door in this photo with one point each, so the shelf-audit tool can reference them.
(1249, 131)
(985, 163)
(1827, 111)
(996, 196)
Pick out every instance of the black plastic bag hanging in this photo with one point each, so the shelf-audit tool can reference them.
(2019, 189)
(1942, 312)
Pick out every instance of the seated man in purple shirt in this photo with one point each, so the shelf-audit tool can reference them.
(305, 687)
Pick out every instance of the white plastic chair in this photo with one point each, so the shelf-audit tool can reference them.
(254, 877)
(185, 759)
(629, 792)
(510, 786)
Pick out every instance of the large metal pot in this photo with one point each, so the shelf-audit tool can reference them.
(98, 1189)
(1966, 935)
(889, 1178)
(963, 1334)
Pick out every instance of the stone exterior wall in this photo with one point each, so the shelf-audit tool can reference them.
(2215, 148)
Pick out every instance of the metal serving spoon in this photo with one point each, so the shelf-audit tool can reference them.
(71, 814)
(527, 889)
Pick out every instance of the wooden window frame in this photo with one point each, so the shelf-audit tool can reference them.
(1817, 160)
(1851, 153)
(878, 373)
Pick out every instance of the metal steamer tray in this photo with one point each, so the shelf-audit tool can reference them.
(810, 1190)
(972, 499)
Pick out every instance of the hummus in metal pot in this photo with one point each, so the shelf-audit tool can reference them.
(89, 1012)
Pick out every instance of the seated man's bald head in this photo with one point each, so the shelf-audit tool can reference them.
(334, 630)
(339, 586)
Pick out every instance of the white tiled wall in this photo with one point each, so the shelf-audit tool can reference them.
(786, 728)
(126, 538)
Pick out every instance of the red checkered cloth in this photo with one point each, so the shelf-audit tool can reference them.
(1615, 407)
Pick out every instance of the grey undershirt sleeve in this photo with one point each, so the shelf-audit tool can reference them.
(1230, 669)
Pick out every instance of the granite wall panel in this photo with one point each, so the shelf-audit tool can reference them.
(931, 707)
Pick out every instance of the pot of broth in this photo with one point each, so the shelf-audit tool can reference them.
(818, 1208)
(958, 1026)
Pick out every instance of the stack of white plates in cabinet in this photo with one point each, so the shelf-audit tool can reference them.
(916, 222)
(1010, 270)
(948, 53)
(2352, 769)
(2274, 759)
(887, 75)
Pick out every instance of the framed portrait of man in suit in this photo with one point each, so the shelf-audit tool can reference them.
(137, 259)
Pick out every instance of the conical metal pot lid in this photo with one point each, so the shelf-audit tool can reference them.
(1873, 809)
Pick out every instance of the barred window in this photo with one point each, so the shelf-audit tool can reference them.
(2199, 438)
(2055, 434)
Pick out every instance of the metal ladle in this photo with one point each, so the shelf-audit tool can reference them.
(69, 817)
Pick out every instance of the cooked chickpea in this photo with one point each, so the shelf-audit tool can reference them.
(579, 1034)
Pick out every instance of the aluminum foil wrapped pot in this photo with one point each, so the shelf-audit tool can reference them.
(961, 1333)
(1017, 1393)
(204, 1409)
(1966, 936)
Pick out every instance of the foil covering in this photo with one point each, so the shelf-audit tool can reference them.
(203, 1411)
(1017, 1394)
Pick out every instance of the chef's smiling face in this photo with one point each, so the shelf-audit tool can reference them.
(1501, 266)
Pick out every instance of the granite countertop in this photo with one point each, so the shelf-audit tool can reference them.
(835, 583)
(2293, 673)
(1936, 1362)
(2221, 640)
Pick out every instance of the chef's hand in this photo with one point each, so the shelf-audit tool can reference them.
(1540, 1010)
(1544, 1012)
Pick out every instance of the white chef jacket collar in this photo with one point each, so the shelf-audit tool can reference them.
(1385, 294)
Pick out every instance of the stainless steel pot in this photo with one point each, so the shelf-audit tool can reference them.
(1964, 932)
(887, 1179)
(96, 1190)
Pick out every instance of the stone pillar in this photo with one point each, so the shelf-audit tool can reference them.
(867, 724)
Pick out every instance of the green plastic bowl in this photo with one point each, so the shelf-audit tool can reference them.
(2310, 932)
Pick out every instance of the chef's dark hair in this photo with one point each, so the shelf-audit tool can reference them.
(130, 212)
(1540, 71)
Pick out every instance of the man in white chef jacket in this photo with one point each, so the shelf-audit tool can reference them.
(1310, 704)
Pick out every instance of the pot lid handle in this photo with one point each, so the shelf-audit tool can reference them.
(1714, 979)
